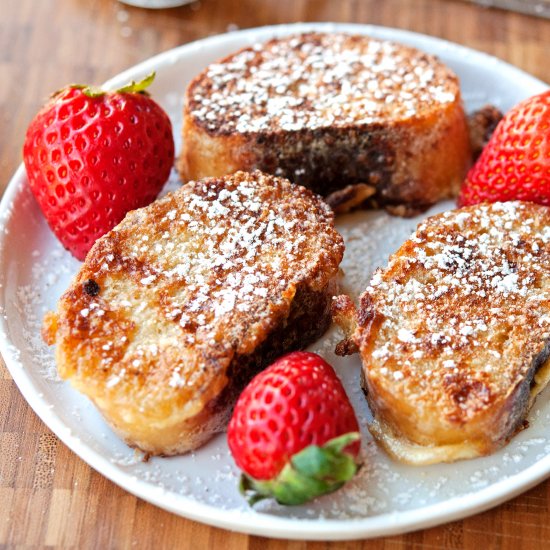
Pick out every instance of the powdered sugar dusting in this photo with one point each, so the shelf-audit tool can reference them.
(49, 273)
(205, 257)
(316, 81)
(455, 302)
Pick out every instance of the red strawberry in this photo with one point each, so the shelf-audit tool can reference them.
(515, 164)
(91, 156)
(294, 432)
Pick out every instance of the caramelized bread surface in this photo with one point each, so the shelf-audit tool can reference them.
(454, 334)
(185, 300)
(330, 110)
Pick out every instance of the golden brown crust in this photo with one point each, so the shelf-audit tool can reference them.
(344, 315)
(163, 323)
(328, 111)
(454, 334)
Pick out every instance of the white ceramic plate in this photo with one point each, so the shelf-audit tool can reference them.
(386, 498)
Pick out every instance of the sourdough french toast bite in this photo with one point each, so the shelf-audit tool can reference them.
(332, 111)
(454, 335)
(177, 308)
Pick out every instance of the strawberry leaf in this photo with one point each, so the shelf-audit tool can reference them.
(138, 87)
(314, 471)
(131, 88)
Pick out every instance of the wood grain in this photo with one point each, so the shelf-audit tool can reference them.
(48, 496)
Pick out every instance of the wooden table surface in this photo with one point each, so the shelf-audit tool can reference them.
(48, 496)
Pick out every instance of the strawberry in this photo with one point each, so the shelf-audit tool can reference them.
(294, 432)
(91, 156)
(515, 164)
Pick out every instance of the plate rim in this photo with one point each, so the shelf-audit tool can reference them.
(387, 523)
(326, 26)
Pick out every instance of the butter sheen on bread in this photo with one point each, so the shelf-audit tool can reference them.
(175, 309)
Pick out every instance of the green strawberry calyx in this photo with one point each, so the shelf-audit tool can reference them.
(312, 472)
(138, 87)
(133, 87)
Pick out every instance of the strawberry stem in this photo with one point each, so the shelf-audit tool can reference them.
(131, 88)
(312, 472)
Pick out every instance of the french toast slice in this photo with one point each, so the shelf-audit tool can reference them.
(176, 309)
(454, 335)
(330, 111)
